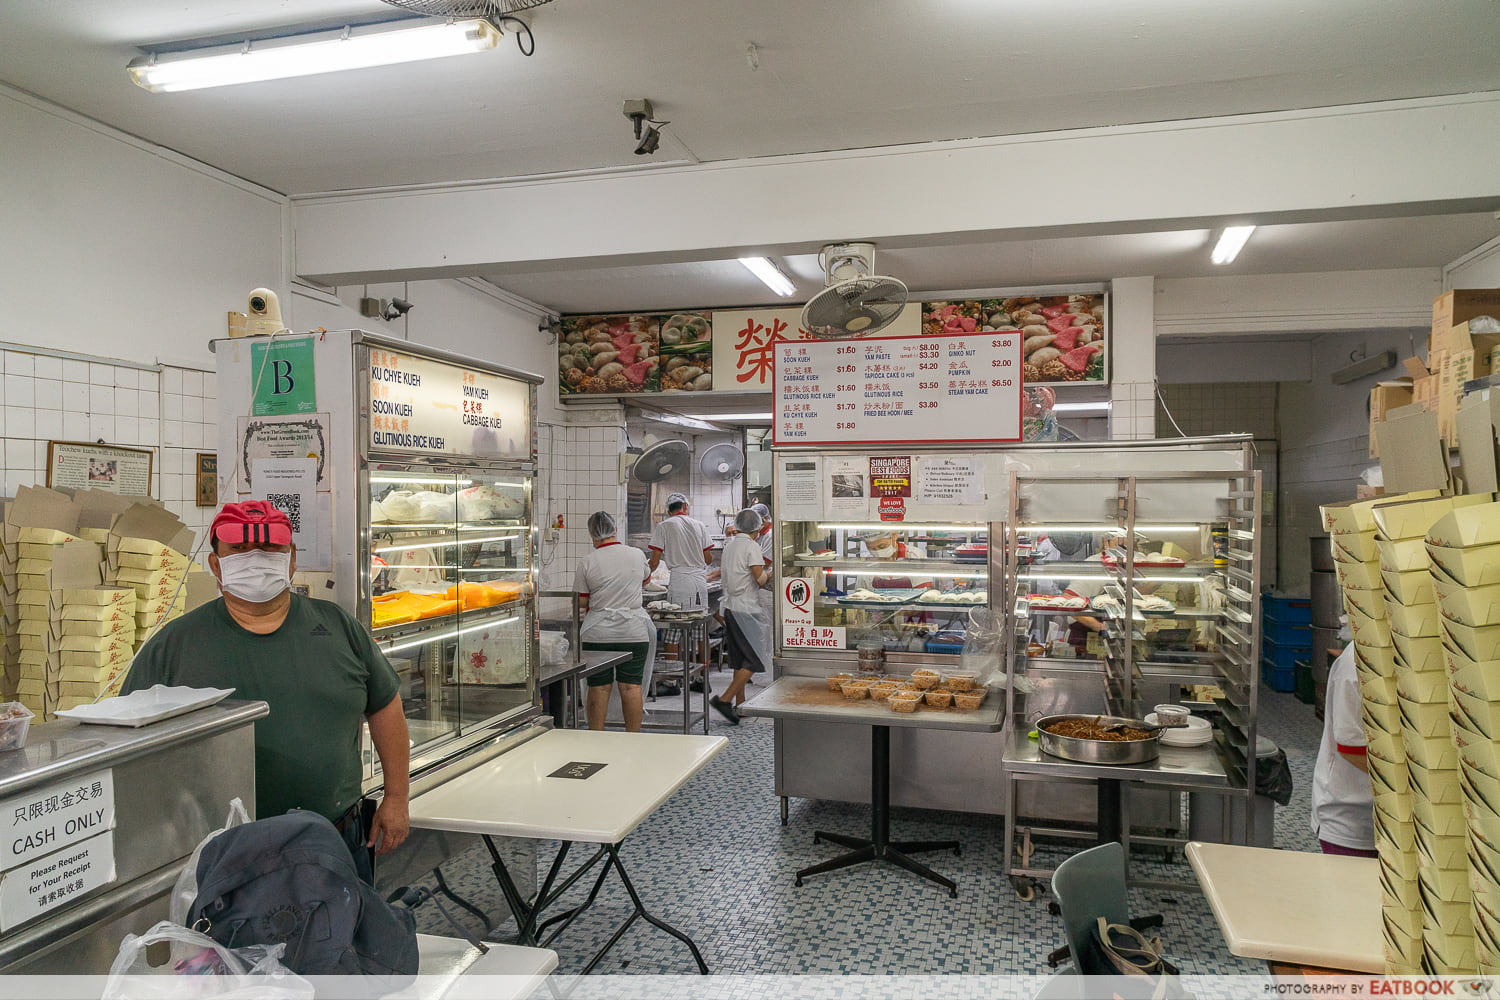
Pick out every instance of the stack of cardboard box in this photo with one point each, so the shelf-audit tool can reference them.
(71, 567)
(1456, 352)
(149, 551)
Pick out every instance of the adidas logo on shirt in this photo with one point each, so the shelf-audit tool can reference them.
(320, 629)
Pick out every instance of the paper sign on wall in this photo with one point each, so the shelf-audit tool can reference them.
(282, 378)
(57, 880)
(954, 480)
(797, 628)
(290, 485)
(53, 816)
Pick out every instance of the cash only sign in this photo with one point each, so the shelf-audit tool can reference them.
(56, 845)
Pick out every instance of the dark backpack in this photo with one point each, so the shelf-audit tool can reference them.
(289, 879)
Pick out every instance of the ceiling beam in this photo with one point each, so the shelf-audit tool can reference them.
(1393, 159)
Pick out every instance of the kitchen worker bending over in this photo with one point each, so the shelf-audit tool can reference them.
(609, 582)
(683, 543)
(315, 666)
(747, 625)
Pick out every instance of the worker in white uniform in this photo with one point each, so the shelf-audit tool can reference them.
(767, 550)
(747, 625)
(608, 582)
(1343, 803)
(684, 545)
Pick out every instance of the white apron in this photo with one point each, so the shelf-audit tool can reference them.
(689, 587)
(622, 625)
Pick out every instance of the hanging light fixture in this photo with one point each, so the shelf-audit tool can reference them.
(309, 54)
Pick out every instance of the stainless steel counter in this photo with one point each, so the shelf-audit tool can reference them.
(809, 700)
(168, 785)
(1180, 767)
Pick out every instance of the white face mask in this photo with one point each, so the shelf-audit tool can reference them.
(884, 552)
(256, 576)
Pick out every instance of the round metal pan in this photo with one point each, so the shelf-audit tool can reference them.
(1096, 751)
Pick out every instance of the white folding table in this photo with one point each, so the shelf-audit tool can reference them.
(575, 786)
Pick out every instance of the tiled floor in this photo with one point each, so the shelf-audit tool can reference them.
(715, 862)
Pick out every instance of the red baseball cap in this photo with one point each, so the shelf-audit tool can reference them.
(251, 521)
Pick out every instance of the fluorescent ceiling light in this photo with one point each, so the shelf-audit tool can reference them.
(1100, 407)
(768, 272)
(1231, 243)
(305, 55)
(729, 417)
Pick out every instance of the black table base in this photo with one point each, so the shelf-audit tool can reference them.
(878, 846)
(529, 932)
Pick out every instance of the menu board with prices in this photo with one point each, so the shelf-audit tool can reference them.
(425, 407)
(944, 389)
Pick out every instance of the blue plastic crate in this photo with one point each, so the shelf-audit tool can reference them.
(1282, 655)
(1287, 610)
(1285, 633)
(1278, 678)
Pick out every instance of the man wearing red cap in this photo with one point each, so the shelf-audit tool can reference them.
(311, 662)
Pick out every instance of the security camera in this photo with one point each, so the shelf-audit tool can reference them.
(265, 313)
(648, 142)
(396, 309)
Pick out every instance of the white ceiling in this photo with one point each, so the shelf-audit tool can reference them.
(831, 75)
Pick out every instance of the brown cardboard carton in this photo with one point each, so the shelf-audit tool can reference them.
(1461, 305)
(1387, 396)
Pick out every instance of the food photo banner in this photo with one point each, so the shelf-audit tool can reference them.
(944, 388)
(734, 350)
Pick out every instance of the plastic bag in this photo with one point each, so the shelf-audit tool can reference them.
(554, 646)
(198, 966)
(984, 646)
(186, 889)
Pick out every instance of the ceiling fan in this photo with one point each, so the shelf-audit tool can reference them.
(857, 301)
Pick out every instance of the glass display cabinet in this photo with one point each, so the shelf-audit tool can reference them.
(908, 586)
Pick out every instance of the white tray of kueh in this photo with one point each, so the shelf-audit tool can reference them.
(1481, 643)
(1465, 527)
(1471, 567)
(1404, 556)
(1355, 546)
(1480, 678)
(1413, 587)
(1362, 575)
(1380, 690)
(1419, 652)
(1423, 719)
(1468, 605)
(1427, 687)
(1413, 518)
(1359, 515)
(1373, 631)
(1413, 620)
(1370, 601)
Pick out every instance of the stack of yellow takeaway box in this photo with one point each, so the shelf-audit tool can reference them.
(1415, 625)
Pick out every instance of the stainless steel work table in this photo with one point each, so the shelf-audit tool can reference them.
(808, 699)
(1195, 768)
(563, 679)
(575, 786)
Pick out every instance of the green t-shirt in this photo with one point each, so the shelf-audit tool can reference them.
(321, 674)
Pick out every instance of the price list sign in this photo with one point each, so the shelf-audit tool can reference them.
(899, 390)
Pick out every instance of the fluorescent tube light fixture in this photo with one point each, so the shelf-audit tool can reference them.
(1231, 242)
(305, 55)
(730, 418)
(768, 272)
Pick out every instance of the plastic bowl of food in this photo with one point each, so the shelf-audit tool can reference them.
(962, 680)
(926, 679)
(883, 690)
(904, 701)
(969, 700)
(836, 682)
(939, 697)
(15, 720)
(856, 690)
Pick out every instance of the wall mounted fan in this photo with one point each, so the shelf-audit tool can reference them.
(660, 460)
(722, 463)
(857, 301)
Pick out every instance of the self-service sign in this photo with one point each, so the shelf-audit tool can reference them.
(50, 818)
(797, 628)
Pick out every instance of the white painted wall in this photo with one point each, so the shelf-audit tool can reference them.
(1478, 269)
(1238, 360)
(112, 247)
(1267, 303)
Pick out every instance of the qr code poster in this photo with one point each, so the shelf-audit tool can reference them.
(290, 485)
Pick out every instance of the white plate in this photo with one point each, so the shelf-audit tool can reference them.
(141, 708)
(1196, 733)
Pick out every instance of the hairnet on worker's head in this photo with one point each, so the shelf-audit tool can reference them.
(601, 525)
(747, 521)
(676, 501)
(762, 510)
